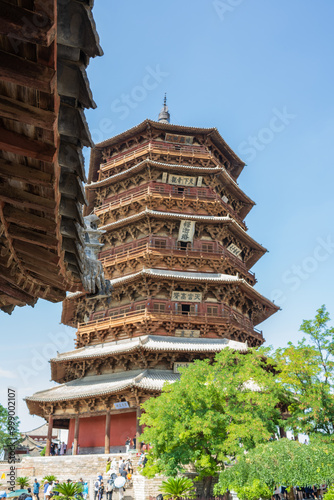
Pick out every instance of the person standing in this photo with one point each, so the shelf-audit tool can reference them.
(127, 445)
(36, 489)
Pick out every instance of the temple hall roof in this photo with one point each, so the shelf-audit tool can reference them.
(151, 380)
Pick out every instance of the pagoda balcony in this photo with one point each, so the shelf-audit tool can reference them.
(155, 190)
(160, 247)
(101, 330)
(158, 147)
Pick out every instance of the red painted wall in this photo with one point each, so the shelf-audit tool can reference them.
(91, 430)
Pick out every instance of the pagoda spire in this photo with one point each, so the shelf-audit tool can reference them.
(164, 116)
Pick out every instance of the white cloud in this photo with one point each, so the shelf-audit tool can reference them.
(7, 374)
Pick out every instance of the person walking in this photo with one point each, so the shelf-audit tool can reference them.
(36, 489)
(127, 445)
(49, 491)
(53, 491)
(109, 489)
(45, 488)
(101, 490)
(96, 488)
(85, 491)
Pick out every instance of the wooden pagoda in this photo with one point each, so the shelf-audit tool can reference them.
(178, 258)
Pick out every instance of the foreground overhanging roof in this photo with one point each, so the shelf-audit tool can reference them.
(44, 89)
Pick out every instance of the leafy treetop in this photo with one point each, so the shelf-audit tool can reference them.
(212, 411)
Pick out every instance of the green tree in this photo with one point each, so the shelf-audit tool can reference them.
(307, 373)
(49, 478)
(9, 429)
(23, 482)
(214, 409)
(177, 487)
(257, 473)
(68, 491)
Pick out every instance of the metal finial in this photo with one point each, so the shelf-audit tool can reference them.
(164, 116)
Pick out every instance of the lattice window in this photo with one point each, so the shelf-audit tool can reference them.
(140, 307)
(207, 247)
(159, 307)
(212, 310)
(98, 315)
(160, 244)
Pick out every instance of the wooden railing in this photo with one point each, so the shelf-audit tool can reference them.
(158, 147)
(170, 191)
(228, 315)
(121, 254)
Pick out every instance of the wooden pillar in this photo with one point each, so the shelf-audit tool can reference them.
(76, 435)
(49, 436)
(138, 427)
(107, 434)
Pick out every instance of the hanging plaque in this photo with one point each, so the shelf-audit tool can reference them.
(180, 139)
(176, 366)
(187, 296)
(182, 180)
(164, 177)
(187, 333)
(234, 250)
(199, 181)
(187, 230)
(121, 404)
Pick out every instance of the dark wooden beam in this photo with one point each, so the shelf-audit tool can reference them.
(46, 273)
(23, 199)
(30, 236)
(26, 219)
(15, 292)
(24, 173)
(23, 112)
(37, 253)
(30, 74)
(23, 145)
(25, 25)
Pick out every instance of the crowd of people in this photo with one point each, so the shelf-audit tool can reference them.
(58, 449)
(297, 493)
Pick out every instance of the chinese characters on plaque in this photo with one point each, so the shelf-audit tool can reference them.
(187, 230)
(182, 180)
(180, 139)
(122, 404)
(176, 366)
(234, 250)
(187, 333)
(187, 296)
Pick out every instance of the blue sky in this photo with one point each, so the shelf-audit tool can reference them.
(262, 73)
